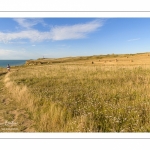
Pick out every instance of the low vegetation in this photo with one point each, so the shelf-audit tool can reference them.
(107, 95)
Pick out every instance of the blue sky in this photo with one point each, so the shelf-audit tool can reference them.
(32, 38)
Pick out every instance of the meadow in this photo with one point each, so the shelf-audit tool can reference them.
(109, 95)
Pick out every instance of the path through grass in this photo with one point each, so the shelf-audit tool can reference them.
(13, 118)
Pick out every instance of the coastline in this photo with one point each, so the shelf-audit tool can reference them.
(12, 63)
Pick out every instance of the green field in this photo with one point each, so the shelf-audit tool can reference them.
(75, 95)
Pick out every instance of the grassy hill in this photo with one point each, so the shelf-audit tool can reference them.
(123, 59)
(75, 95)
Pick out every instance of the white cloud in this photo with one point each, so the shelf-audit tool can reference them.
(10, 54)
(32, 35)
(14, 54)
(17, 42)
(77, 31)
(6, 52)
(133, 39)
(28, 23)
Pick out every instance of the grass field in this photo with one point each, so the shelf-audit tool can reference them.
(109, 95)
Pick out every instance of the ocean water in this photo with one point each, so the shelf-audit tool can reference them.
(4, 63)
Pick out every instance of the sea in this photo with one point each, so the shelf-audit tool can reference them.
(4, 63)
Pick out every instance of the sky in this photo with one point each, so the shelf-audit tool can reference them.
(33, 38)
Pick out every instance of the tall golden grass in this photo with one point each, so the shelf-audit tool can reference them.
(84, 97)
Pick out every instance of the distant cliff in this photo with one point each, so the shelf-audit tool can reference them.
(38, 62)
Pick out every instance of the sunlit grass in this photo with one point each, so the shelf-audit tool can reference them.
(85, 98)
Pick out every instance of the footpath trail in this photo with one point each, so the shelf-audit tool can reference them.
(13, 118)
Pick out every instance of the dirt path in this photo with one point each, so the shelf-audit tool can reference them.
(13, 118)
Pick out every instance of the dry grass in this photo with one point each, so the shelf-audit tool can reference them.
(107, 96)
(13, 118)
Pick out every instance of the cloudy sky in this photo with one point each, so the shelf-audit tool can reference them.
(32, 38)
